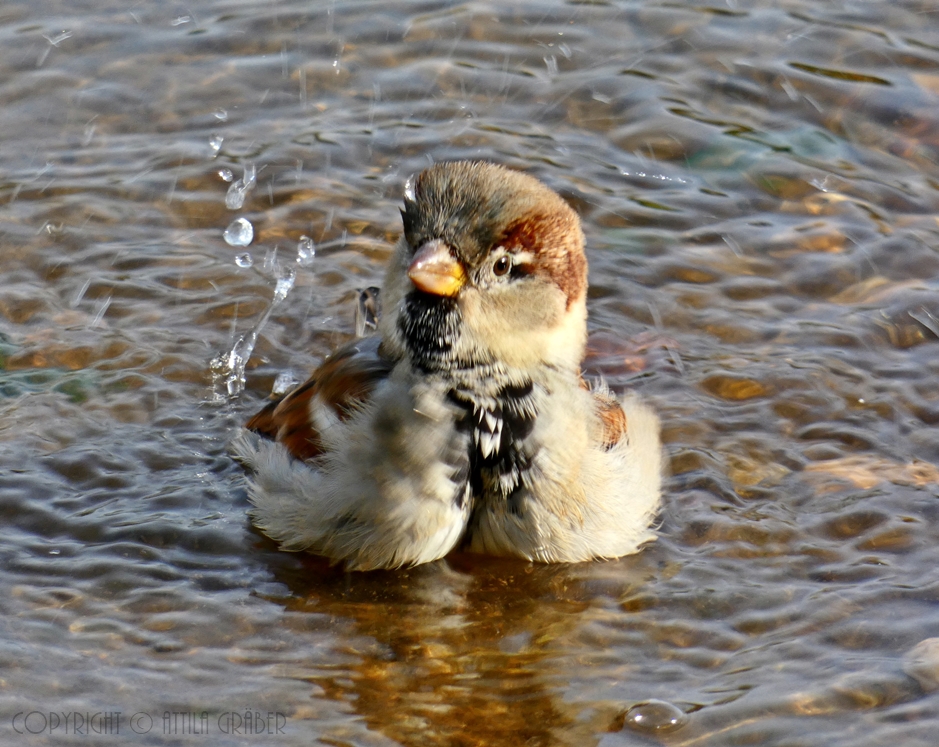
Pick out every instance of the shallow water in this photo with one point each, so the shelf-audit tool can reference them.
(759, 186)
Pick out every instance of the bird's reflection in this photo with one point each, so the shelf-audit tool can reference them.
(467, 650)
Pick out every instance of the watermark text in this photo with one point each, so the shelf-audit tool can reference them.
(247, 722)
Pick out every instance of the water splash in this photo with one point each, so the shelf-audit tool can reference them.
(238, 191)
(270, 260)
(306, 251)
(228, 369)
(286, 276)
(283, 383)
(551, 62)
(215, 144)
(240, 232)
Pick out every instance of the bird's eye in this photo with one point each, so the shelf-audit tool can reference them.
(502, 265)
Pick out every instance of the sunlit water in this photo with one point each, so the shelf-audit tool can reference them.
(759, 186)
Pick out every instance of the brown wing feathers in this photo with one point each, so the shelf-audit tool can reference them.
(343, 382)
(612, 418)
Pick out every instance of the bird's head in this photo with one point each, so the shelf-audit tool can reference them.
(490, 269)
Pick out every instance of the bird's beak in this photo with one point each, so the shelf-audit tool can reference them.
(435, 270)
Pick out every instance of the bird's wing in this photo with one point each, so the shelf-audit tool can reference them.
(613, 419)
(613, 423)
(340, 386)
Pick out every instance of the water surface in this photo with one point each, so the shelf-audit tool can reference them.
(759, 187)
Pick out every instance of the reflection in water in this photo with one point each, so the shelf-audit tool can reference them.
(758, 185)
(458, 651)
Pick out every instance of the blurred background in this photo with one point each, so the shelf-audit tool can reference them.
(191, 196)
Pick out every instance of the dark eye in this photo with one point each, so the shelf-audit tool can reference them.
(502, 265)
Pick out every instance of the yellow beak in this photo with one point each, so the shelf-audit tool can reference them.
(435, 270)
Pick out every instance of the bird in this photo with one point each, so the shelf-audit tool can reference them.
(465, 421)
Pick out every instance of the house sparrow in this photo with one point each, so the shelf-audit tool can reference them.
(466, 418)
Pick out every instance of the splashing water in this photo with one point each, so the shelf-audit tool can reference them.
(238, 191)
(228, 370)
(306, 251)
(225, 175)
(285, 381)
(244, 260)
(270, 260)
(215, 144)
(240, 232)
(285, 280)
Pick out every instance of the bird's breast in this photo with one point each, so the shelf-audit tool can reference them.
(499, 425)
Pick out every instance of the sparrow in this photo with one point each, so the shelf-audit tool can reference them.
(465, 420)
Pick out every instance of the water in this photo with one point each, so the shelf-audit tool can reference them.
(215, 145)
(306, 251)
(228, 369)
(238, 191)
(758, 186)
(284, 382)
(240, 232)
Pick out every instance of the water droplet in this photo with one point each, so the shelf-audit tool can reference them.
(306, 251)
(235, 197)
(244, 260)
(654, 717)
(229, 369)
(270, 259)
(285, 380)
(409, 193)
(226, 175)
(240, 232)
(221, 115)
(215, 144)
(238, 191)
(285, 278)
